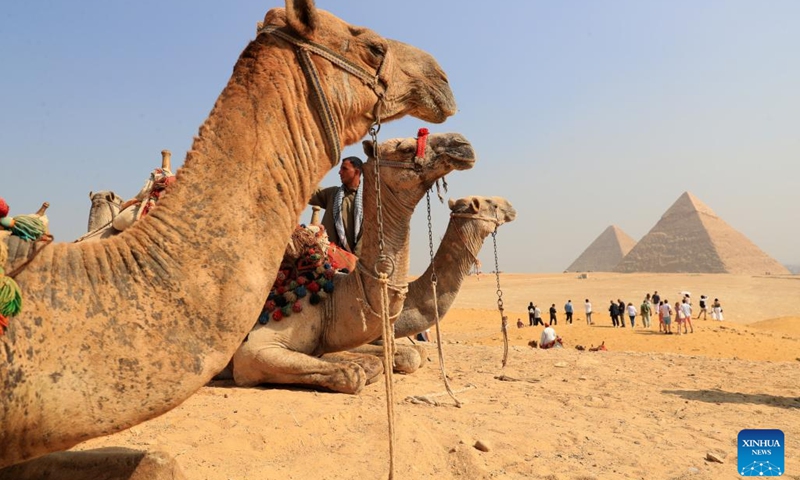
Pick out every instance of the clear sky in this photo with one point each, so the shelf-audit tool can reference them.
(584, 114)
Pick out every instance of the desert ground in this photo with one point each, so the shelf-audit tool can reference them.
(651, 407)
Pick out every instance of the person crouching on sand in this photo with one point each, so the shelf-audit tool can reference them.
(549, 339)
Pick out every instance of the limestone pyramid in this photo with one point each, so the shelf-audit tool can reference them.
(605, 252)
(691, 238)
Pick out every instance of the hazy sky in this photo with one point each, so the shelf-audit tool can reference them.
(584, 114)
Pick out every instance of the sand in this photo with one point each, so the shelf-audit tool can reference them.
(651, 407)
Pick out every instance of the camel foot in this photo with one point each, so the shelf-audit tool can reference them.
(103, 463)
(373, 366)
(409, 358)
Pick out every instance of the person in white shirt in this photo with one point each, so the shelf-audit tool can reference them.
(588, 306)
(631, 313)
(537, 316)
(666, 313)
(687, 315)
(549, 339)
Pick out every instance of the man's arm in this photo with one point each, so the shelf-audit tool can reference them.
(322, 196)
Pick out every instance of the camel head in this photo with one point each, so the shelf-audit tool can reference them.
(444, 152)
(105, 205)
(409, 80)
(497, 210)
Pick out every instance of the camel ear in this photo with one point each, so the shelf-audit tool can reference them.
(302, 17)
(475, 205)
(451, 203)
(90, 194)
(368, 150)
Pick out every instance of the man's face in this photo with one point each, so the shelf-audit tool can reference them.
(348, 174)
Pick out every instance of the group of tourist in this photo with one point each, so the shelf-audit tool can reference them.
(678, 315)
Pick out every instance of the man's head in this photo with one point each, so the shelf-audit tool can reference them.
(350, 172)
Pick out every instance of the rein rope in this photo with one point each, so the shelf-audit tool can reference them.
(304, 50)
(331, 132)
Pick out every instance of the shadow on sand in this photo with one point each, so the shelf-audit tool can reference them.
(721, 396)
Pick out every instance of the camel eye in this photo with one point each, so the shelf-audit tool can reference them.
(377, 50)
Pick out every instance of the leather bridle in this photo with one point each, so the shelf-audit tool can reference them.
(304, 50)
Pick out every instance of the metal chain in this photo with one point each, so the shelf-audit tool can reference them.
(503, 319)
(435, 296)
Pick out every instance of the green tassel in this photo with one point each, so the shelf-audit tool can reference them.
(10, 297)
(28, 227)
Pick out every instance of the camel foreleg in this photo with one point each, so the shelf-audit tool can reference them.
(278, 365)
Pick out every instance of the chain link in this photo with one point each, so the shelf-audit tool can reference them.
(434, 278)
(373, 133)
(497, 272)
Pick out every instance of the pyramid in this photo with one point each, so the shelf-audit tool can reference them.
(691, 238)
(605, 252)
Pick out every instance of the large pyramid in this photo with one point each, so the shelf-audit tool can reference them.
(691, 238)
(605, 252)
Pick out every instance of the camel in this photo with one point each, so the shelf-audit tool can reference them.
(116, 332)
(472, 219)
(286, 351)
(105, 206)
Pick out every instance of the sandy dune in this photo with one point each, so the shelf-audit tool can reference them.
(652, 407)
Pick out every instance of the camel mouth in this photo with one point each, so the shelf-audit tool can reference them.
(461, 154)
(511, 215)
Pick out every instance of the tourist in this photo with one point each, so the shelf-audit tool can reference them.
(687, 315)
(531, 311)
(632, 314)
(549, 339)
(553, 319)
(568, 311)
(519, 323)
(644, 311)
(680, 316)
(703, 308)
(716, 310)
(537, 316)
(613, 310)
(621, 309)
(666, 313)
(588, 307)
(660, 318)
(344, 213)
(656, 298)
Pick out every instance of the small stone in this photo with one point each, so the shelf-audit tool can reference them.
(482, 446)
(713, 457)
(560, 364)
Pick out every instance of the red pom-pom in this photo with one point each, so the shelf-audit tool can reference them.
(422, 132)
(301, 280)
(313, 287)
(3, 208)
(281, 290)
(297, 307)
(330, 273)
(270, 305)
(277, 315)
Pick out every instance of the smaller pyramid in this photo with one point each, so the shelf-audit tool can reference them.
(691, 238)
(605, 252)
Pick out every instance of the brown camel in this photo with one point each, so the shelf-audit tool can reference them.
(286, 351)
(472, 219)
(117, 332)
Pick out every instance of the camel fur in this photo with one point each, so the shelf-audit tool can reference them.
(286, 351)
(119, 331)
